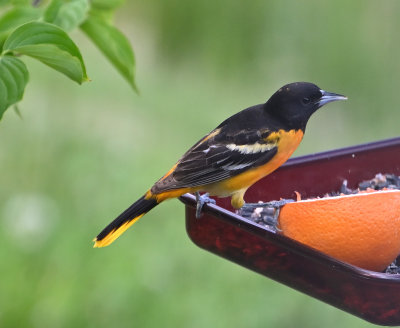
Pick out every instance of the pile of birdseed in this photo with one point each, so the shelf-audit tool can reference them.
(266, 214)
(380, 182)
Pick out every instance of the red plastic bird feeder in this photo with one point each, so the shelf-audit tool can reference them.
(373, 296)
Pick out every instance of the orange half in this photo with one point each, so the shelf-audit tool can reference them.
(362, 229)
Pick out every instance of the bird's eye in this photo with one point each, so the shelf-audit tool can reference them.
(306, 100)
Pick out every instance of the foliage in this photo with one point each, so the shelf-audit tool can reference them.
(39, 29)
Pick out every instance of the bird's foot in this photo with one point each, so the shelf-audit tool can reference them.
(201, 200)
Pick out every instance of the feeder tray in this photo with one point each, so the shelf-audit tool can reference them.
(370, 295)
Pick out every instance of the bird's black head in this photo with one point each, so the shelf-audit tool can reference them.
(294, 103)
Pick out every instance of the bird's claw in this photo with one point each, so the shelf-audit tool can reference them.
(201, 200)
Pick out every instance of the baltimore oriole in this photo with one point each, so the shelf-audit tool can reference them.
(241, 150)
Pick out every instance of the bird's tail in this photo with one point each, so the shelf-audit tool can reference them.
(117, 227)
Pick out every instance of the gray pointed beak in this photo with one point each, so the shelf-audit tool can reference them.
(328, 97)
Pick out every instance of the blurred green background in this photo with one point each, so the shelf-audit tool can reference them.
(82, 154)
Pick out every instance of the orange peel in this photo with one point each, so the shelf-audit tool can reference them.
(361, 229)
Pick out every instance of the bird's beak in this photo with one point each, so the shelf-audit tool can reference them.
(328, 97)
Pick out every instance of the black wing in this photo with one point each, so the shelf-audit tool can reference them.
(219, 156)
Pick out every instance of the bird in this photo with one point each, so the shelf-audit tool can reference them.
(240, 151)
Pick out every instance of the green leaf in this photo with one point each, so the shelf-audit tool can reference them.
(13, 78)
(114, 45)
(67, 14)
(49, 44)
(18, 16)
(15, 17)
(107, 4)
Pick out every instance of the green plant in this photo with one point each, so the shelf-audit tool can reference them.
(39, 29)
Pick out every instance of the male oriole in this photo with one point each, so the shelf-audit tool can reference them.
(241, 150)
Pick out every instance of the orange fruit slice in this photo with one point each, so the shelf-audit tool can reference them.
(362, 229)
